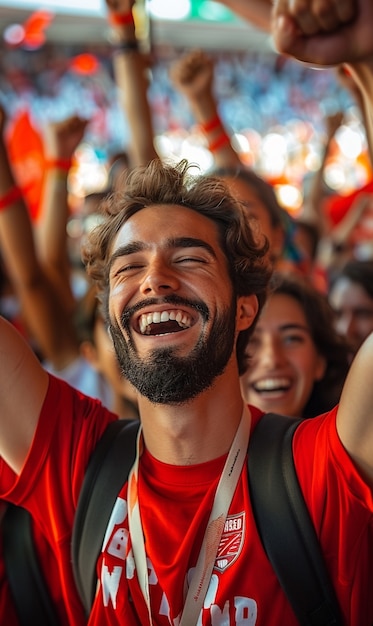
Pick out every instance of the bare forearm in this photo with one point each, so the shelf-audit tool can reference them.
(355, 413)
(42, 312)
(363, 75)
(130, 76)
(19, 412)
(51, 234)
(257, 12)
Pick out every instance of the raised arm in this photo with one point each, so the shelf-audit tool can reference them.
(41, 308)
(23, 385)
(257, 12)
(60, 142)
(355, 412)
(342, 35)
(130, 70)
(312, 211)
(322, 33)
(193, 76)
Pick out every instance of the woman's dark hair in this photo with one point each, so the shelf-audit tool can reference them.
(279, 218)
(263, 190)
(160, 183)
(329, 344)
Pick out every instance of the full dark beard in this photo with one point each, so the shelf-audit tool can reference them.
(165, 378)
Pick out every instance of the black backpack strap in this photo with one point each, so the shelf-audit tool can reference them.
(30, 595)
(107, 472)
(285, 526)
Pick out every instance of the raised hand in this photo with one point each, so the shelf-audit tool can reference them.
(323, 32)
(193, 74)
(62, 138)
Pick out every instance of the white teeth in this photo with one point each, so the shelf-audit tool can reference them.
(270, 384)
(157, 317)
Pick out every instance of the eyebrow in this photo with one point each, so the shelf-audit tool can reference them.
(172, 243)
(289, 326)
(296, 327)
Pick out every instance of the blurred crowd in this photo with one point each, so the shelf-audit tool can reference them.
(91, 125)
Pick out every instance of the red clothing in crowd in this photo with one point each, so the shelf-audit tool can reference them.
(175, 503)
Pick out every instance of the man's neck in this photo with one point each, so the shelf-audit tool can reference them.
(194, 432)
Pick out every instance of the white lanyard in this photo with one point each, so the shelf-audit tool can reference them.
(223, 496)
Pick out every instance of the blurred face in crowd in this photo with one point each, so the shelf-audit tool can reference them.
(99, 351)
(258, 210)
(284, 363)
(354, 311)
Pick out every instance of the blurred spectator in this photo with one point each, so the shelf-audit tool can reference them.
(193, 75)
(259, 201)
(351, 297)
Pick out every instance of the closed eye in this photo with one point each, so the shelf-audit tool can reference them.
(125, 269)
(190, 259)
(293, 338)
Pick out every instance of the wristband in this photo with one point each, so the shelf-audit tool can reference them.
(219, 142)
(58, 164)
(11, 196)
(121, 19)
(126, 46)
(212, 124)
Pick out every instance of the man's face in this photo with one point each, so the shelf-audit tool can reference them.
(173, 317)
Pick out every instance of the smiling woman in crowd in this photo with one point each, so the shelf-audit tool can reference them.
(296, 363)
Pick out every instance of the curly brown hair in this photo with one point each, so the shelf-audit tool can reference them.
(159, 183)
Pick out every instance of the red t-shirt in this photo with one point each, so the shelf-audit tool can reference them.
(175, 503)
(69, 427)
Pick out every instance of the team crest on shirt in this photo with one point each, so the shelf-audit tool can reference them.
(231, 541)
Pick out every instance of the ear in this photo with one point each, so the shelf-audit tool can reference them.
(247, 310)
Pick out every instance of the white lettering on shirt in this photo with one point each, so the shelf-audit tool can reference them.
(118, 544)
(233, 524)
(110, 584)
(246, 611)
(118, 515)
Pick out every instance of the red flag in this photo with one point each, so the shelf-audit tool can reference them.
(26, 154)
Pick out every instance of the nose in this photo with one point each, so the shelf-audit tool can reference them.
(346, 325)
(270, 353)
(160, 278)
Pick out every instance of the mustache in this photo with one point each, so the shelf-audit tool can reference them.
(175, 300)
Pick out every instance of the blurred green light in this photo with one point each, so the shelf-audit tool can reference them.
(210, 11)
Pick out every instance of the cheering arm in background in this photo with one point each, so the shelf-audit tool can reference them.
(42, 308)
(193, 76)
(130, 71)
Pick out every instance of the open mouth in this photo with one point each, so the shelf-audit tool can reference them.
(164, 322)
(269, 386)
